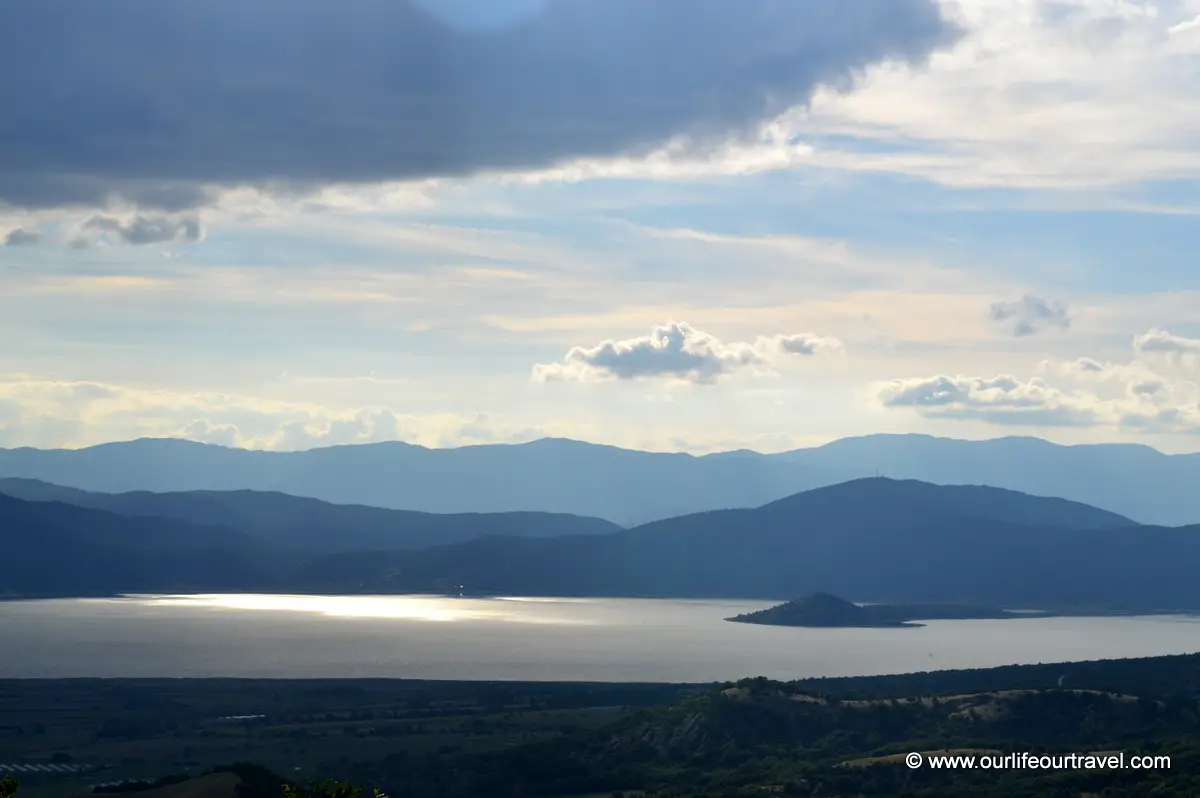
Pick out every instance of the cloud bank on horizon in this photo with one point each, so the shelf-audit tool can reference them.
(287, 224)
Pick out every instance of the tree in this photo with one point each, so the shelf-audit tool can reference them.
(326, 789)
(8, 787)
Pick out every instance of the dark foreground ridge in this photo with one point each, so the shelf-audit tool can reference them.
(817, 737)
(826, 610)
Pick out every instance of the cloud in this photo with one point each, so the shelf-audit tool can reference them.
(53, 413)
(1031, 315)
(138, 230)
(1131, 396)
(678, 350)
(1035, 94)
(22, 237)
(1186, 27)
(1003, 399)
(1090, 372)
(155, 102)
(62, 413)
(204, 430)
(1176, 420)
(1086, 365)
(805, 344)
(1161, 342)
(1147, 387)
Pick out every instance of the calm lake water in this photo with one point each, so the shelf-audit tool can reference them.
(526, 639)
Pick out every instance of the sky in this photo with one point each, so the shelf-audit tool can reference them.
(686, 225)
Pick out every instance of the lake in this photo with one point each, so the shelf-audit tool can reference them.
(424, 637)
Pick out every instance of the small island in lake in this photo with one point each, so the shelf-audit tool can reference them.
(823, 609)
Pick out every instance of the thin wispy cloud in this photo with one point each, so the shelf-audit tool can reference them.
(1046, 93)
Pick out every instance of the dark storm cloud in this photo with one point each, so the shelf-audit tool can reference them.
(155, 99)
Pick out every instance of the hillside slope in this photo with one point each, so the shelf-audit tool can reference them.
(873, 540)
(869, 540)
(49, 548)
(311, 524)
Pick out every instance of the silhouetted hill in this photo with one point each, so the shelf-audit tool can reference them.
(310, 524)
(874, 540)
(926, 501)
(1136, 481)
(817, 609)
(49, 548)
(625, 486)
(824, 609)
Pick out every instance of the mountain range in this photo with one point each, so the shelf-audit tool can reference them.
(873, 539)
(312, 525)
(624, 486)
(55, 549)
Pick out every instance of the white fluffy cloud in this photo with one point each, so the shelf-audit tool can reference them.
(1002, 399)
(678, 350)
(1031, 315)
(1161, 342)
(1086, 392)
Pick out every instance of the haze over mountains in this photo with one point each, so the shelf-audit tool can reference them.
(624, 486)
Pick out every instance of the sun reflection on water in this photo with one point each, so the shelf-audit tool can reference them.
(418, 608)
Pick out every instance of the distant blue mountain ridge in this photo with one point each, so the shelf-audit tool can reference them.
(624, 486)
